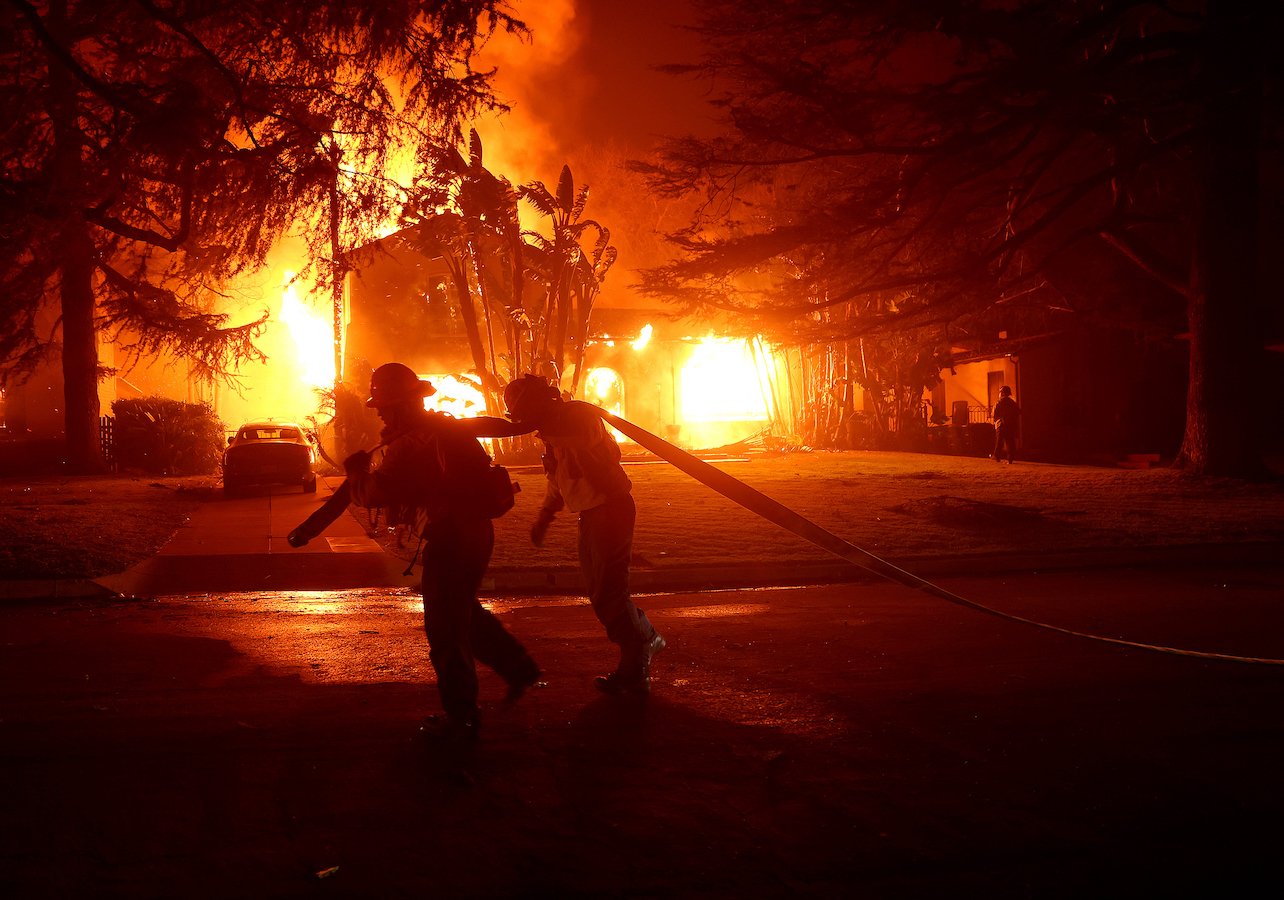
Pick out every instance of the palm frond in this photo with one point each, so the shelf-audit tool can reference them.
(538, 196)
(566, 192)
(581, 200)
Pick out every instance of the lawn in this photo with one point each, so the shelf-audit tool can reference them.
(70, 527)
(910, 506)
(899, 506)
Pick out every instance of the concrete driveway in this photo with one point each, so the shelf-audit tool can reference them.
(239, 544)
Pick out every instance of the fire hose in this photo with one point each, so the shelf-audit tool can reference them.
(321, 518)
(759, 503)
(786, 518)
(327, 512)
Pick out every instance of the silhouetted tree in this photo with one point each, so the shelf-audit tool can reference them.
(151, 151)
(558, 257)
(462, 212)
(924, 162)
(586, 283)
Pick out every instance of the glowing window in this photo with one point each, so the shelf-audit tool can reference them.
(269, 434)
(603, 387)
(724, 381)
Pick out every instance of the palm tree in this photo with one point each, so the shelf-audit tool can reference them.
(458, 211)
(586, 284)
(562, 254)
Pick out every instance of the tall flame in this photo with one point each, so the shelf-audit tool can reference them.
(313, 335)
(457, 396)
(643, 338)
(721, 382)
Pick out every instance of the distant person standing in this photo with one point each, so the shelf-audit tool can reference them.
(582, 462)
(1007, 416)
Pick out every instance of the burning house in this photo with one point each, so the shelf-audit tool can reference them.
(698, 390)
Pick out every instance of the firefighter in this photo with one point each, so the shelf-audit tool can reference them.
(582, 462)
(1007, 417)
(432, 470)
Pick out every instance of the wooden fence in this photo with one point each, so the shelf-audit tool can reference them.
(107, 439)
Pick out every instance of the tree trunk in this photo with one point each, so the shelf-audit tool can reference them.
(80, 354)
(76, 270)
(467, 311)
(584, 311)
(564, 303)
(338, 265)
(494, 405)
(1226, 314)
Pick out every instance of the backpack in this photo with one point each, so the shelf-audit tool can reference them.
(479, 484)
(496, 493)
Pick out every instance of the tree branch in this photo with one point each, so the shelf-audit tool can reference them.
(1149, 259)
(59, 52)
(167, 242)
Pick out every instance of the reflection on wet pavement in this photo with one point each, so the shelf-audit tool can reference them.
(716, 612)
(375, 635)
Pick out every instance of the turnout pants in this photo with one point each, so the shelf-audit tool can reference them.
(606, 551)
(1004, 435)
(459, 629)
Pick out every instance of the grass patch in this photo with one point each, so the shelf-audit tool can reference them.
(900, 506)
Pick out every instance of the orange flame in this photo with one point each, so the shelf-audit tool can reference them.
(722, 382)
(603, 387)
(457, 396)
(313, 335)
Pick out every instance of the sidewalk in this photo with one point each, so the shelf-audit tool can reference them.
(240, 545)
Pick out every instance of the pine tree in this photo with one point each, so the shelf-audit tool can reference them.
(924, 163)
(151, 151)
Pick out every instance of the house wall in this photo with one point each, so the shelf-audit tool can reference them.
(401, 310)
(1103, 395)
(1085, 396)
(971, 382)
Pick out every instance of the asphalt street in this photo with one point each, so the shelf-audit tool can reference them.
(832, 741)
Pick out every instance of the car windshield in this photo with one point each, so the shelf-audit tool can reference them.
(269, 434)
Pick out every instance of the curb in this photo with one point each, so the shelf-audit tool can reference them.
(568, 581)
(53, 589)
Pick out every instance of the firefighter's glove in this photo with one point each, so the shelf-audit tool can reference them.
(357, 464)
(540, 528)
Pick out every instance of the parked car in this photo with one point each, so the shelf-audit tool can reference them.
(269, 452)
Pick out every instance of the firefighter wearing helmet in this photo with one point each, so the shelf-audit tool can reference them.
(582, 462)
(1007, 420)
(430, 471)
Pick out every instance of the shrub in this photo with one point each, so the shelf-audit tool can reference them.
(167, 437)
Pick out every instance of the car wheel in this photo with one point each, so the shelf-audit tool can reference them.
(311, 486)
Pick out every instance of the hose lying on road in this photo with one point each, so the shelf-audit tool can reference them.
(786, 518)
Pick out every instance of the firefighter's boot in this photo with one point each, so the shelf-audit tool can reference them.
(634, 673)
